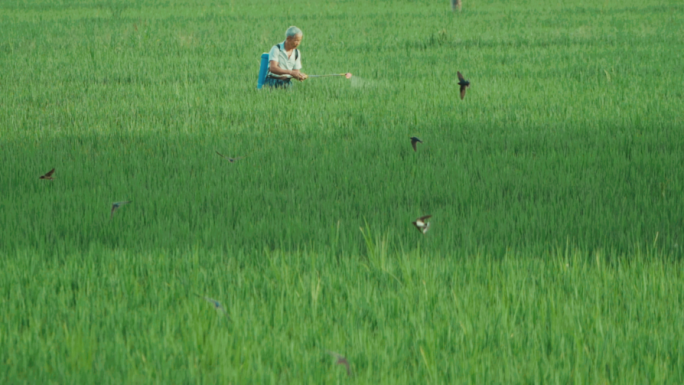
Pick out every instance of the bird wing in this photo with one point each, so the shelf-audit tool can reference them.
(460, 77)
(217, 305)
(425, 218)
(463, 90)
(343, 361)
(116, 205)
(413, 144)
(213, 301)
(49, 173)
(221, 155)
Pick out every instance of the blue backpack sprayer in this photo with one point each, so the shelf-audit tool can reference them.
(263, 71)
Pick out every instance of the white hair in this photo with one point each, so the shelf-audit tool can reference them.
(293, 31)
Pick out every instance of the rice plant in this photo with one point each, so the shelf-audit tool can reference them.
(554, 185)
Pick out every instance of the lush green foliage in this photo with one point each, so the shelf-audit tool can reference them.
(555, 187)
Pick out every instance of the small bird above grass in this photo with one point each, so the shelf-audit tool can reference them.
(341, 360)
(217, 305)
(463, 83)
(48, 175)
(415, 140)
(231, 160)
(117, 205)
(422, 223)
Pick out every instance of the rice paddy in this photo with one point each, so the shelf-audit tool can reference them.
(555, 186)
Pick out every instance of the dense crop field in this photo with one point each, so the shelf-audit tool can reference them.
(555, 186)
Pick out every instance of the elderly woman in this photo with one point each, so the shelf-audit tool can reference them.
(285, 61)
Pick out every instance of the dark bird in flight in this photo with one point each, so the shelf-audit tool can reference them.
(231, 160)
(117, 205)
(217, 305)
(415, 140)
(341, 360)
(422, 223)
(48, 176)
(463, 83)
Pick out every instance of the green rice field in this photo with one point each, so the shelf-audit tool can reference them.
(555, 187)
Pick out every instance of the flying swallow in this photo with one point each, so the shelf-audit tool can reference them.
(463, 83)
(422, 224)
(217, 305)
(48, 176)
(231, 160)
(415, 140)
(115, 206)
(341, 360)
